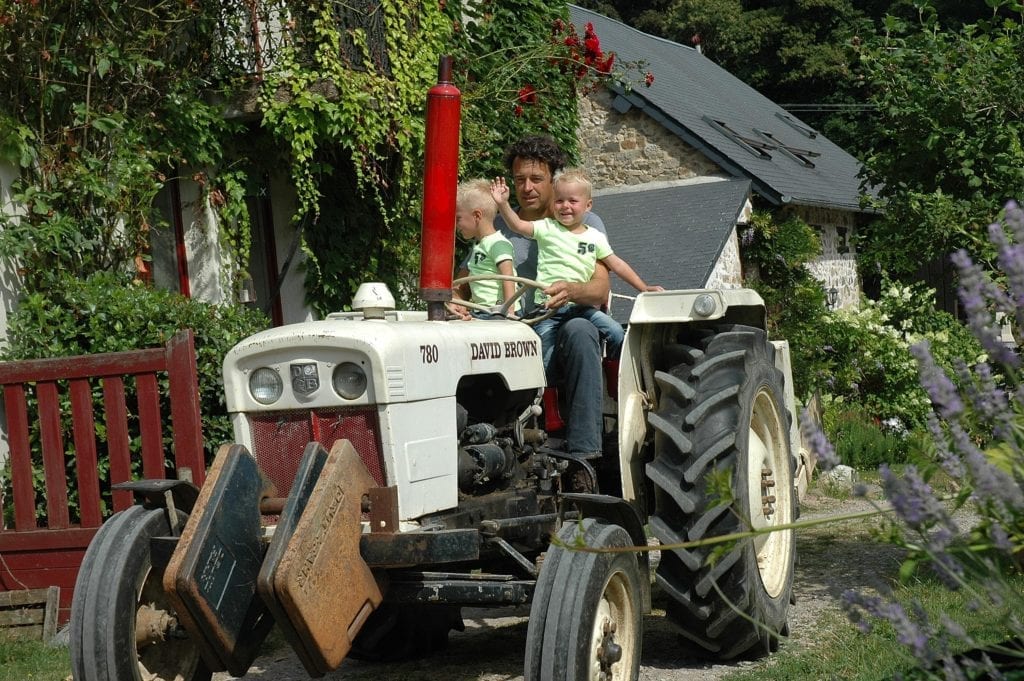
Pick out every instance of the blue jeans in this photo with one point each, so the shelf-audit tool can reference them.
(610, 330)
(577, 364)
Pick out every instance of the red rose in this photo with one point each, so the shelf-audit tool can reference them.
(518, 111)
(648, 79)
(527, 94)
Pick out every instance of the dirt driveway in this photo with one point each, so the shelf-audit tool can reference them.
(831, 559)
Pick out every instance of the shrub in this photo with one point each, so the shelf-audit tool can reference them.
(110, 313)
(863, 356)
(863, 443)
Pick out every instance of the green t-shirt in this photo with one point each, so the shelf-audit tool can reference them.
(564, 256)
(484, 259)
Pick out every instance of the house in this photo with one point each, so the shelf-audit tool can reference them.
(669, 161)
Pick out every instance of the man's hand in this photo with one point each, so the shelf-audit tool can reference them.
(561, 293)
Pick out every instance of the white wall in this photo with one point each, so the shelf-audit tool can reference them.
(293, 290)
(10, 292)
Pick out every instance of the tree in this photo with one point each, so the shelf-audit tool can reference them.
(945, 147)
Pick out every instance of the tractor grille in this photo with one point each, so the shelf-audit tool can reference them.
(280, 437)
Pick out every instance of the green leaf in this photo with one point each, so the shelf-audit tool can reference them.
(104, 124)
(102, 66)
(907, 569)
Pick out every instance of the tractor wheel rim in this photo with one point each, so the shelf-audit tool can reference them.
(163, 651)
(769, 479)
(613, 639)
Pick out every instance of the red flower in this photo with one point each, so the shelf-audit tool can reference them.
(518, 111)
(593, 46)
(648, 79)
(606, 65)
(695, 39)
(527, 94)
(572, 41)
(559, 25)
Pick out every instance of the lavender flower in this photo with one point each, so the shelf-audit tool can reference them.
(1011, 262)
(913, 500)
(907, 631)
(975, 292)
(936, 383)
(1013, 217)
(987, 400)
(993, 487)
(949, 461)
(817, 442)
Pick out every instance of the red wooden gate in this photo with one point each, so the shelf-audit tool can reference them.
(38, 553)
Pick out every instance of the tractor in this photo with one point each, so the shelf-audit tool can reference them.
(391, 467)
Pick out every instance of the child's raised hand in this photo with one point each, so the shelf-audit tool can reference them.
(499, 191)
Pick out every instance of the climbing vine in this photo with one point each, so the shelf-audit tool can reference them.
(103, 104)
(99, 107)
(347, 101)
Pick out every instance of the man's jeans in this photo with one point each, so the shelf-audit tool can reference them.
(577, 363)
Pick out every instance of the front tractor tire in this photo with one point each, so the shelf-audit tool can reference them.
(721, 409)
(122, 626)
(585, 621)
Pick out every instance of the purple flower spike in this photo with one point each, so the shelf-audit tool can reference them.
(975, 293)
(936, 383)
(817, 442)
(913, 500)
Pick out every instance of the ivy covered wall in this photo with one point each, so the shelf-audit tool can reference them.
(103, 104)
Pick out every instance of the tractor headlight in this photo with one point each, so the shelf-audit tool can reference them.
(349, 380)
(704, 305)
(265, 385)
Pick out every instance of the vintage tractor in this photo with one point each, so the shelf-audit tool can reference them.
(393, 466)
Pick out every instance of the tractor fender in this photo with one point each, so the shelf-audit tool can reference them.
(618, 512)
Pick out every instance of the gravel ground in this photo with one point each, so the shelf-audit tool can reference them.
(831, 559)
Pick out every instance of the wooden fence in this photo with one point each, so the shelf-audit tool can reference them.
(37, 553)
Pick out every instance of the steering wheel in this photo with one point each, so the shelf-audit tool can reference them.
(503, 309)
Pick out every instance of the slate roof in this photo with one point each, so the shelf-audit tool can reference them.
(691, 92)
(671, 234)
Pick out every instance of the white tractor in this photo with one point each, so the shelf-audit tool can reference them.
(391, 467)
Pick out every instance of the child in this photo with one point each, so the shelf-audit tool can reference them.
(492, 253)
(568, 250)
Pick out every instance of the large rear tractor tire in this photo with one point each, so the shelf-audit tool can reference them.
(585, 621)
(721, 409)
(122, 627)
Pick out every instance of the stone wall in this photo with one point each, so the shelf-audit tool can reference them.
(727, 273)
(837, 266)
(632, 148)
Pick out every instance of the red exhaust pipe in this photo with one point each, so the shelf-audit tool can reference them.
(440, 181)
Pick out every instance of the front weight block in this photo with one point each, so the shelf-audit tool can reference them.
(319, 583)
(211, 576)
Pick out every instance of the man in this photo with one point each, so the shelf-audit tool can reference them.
(533, 162)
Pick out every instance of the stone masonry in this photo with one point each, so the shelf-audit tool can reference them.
(633, 149)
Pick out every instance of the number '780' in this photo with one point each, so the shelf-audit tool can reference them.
(428, 354)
